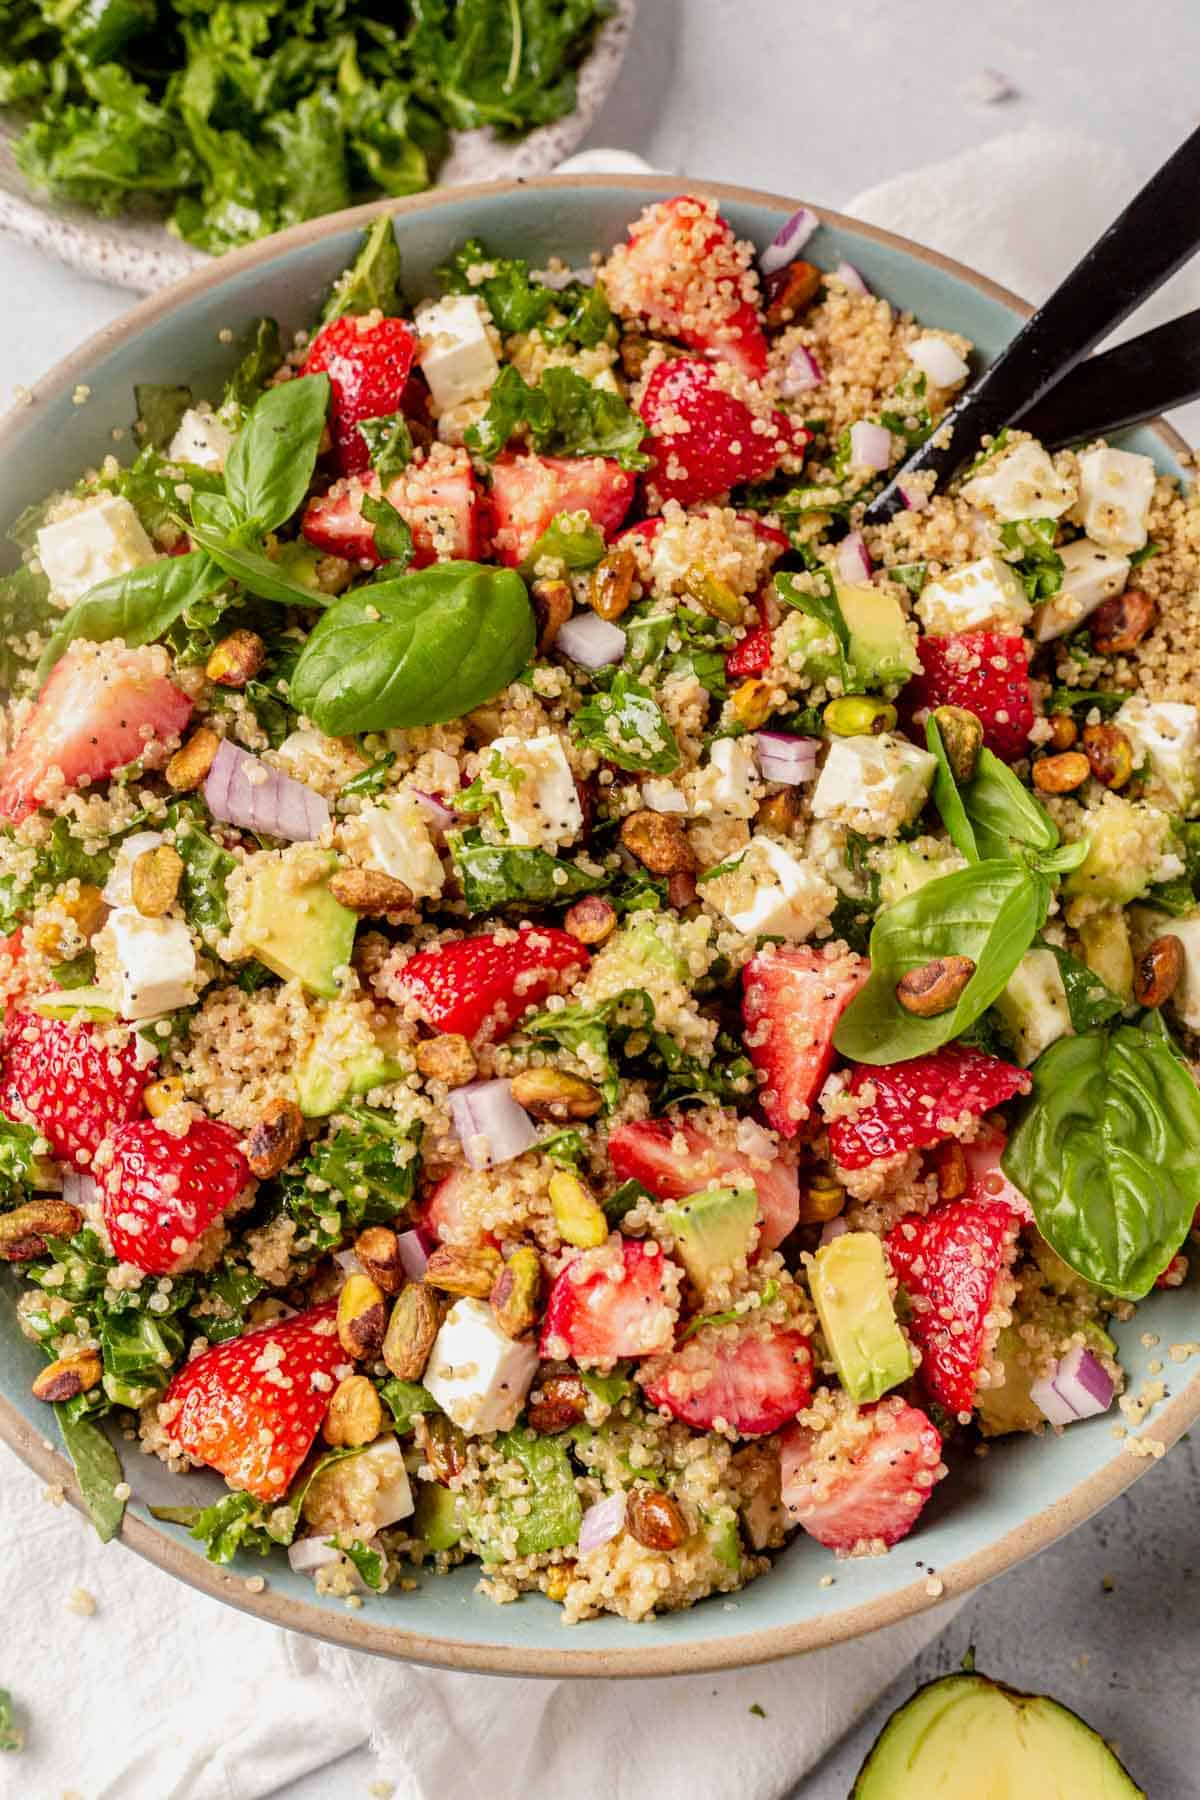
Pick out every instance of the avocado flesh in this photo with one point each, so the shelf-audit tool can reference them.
(965, 1736)
(713, 1231)
(849, 1285)
(294, 925)
(344, 1059)
(882, 647)
(436, 1518)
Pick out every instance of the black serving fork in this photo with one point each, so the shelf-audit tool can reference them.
(1041, 380)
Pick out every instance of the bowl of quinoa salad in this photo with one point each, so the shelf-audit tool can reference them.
(588, 1041)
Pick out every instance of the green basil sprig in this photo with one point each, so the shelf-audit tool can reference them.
(418, 650)
(138, 606)
(232, 546)
(392, 536)
(628, 727)
(1106, 1152)
(274, 454)
(97, 1470)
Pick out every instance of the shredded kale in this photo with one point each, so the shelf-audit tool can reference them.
(364, 1174)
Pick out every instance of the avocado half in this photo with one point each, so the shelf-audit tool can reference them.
(967, 1738)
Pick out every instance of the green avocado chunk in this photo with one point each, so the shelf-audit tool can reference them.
(436, 1518)
(294, 925)
(952, 1731)
(713, 1230)
(345, 1058)
(849, 1286)
(883, 647)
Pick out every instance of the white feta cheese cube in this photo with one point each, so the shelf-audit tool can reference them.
(155, 961)
(983, 594)
(1115, 490)
(1021, 484)
(728, 783)
(116, 889)
(201, 439)
(478, 1376)
(873, 784)
(1146, 926)
(392, 1498)
(1165, 733)
(1090, 576)
(455, 354)
(533, 782)
(938, 361)
(392, 836)
(1034, 1005)
(104, 538)
(663, 796)
(771, 891)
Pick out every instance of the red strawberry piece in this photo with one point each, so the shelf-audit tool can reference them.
(437, 497)
(101, 707)
(752, 655)
(911, 1105)
(986, 1180)
(617, 1301)
(334, 522)
(792, 999)
(161, 1192)
(74, 1088)
(988, 673)
(1175, 1273)
(955, 1264)
(750, 1382)
(368, 361)
(704, 439)
(485, 983)
(674, 1158)
(252, 1407)
(527, 492)
(685, 274)
(446, 1216)
(864, 1480)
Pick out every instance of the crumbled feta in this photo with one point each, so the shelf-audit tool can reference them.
(873, 784)
(392, 836)
(729, 782)
(392, 1499)
(1090, 576)
(201, 439)
(478, 1376)
(104, 538)
(983, 594)
(938, 361)
(1023, 484)
(533, 782)
(1115, 490)
(1165, 733)
(156, 964)
(663, 796)
(455, 354)
(117, 890)
(1034, 1005)
(771, 891)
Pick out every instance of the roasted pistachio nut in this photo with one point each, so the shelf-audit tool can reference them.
(962, 740)
(162, 1095)
(553, 604)
(781, 812)
(610, 588)
(935, 987)
(712, 595)
(378, 1251)
(858, 715)
(1158, 971)
(463, 1269)
(1061, 774)
(154, 880)
(448, 1058)
(68, 1377)
(24, 1230)
(557, 1580)
(361, 1318)
(581, 1222)
(789, 291)
(411, 1331)
(659, 842)
(821, 1199)
(556, 1402)
(516, 1292)
(355, 1414)
(553, 1094)
(236, 660)
(369, 892)
(190, 765)
(1119, 625)
(590, 920)
(951, 1171)
(1064, 732)
(1109, 753)
(442, 1445)
(274, 1138)
(654, 1519)
(753, 702)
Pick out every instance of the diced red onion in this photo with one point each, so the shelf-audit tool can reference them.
(601, 1522)
(849, 276)
(347, 1260)
(491, 1127)
(309, 1554)
(915, 498)
(244, 791)
(853, 562)
(939, 361)
(786, 759)
(439, 816)
(413, 1252)
(834, 1228)
(79, 1188)
(870, 445)
(591, 641)
(789, 240)
(801, 373)
(1079, 1387)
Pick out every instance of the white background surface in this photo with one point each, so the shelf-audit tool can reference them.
(821, 102)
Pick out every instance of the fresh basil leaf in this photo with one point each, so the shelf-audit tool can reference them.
(373, 278)
(1175, 897)
(1090, 1001)
(494, 876)
(1061, 860)
(1148, 549)
(371, 780)
(392, 536)
(226, 543)
(563, 415)
(274, 454)
(991, 912)
(571, 540)
(138, 606)
(947, 798)
(369, 1563)
(160, 410)
(24, 607)
(623, 1199)
(390, 444)
(97, 1471)
(18, 1160)
(406, 1400)
(260, 359)
(628, 727)
(419, 650)
(1105, 1150)
(1038, 563)
(1003, 813)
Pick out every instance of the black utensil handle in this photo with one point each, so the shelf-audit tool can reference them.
(1148, 375)
(1157, 232)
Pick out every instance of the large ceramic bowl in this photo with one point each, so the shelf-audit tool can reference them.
(994, 1510)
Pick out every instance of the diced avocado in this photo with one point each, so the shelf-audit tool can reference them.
(346, 1057)
(849, 1284)
(545, 1517)
(298, 561)
(903, 868)
(883, 643)
(1107, 952)
(1055, 1272)
(294, 925)
(436, 1518)
(954, 1730)
(810, 646)
(1034, 1005)
(1009, 1406)
(1126, 840)
(652, 941)
(713, 1231)
(721, 1530)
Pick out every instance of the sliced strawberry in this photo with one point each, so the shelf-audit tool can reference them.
(674, 1158)
(484, 984)
(73, 1086)
(334, 522)
(368, 360)
(252, 1407)
(986, 1180)
(620, 1300)
(792, 999)
(527, 492)
(955, 1264)
(864, 1480)
(161, 1192)
(436, 496)
(101, 707)
(988, 673)
(704, 439)
(911, 1105)
(751, 655)
(749, 1382)
(685, 274)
